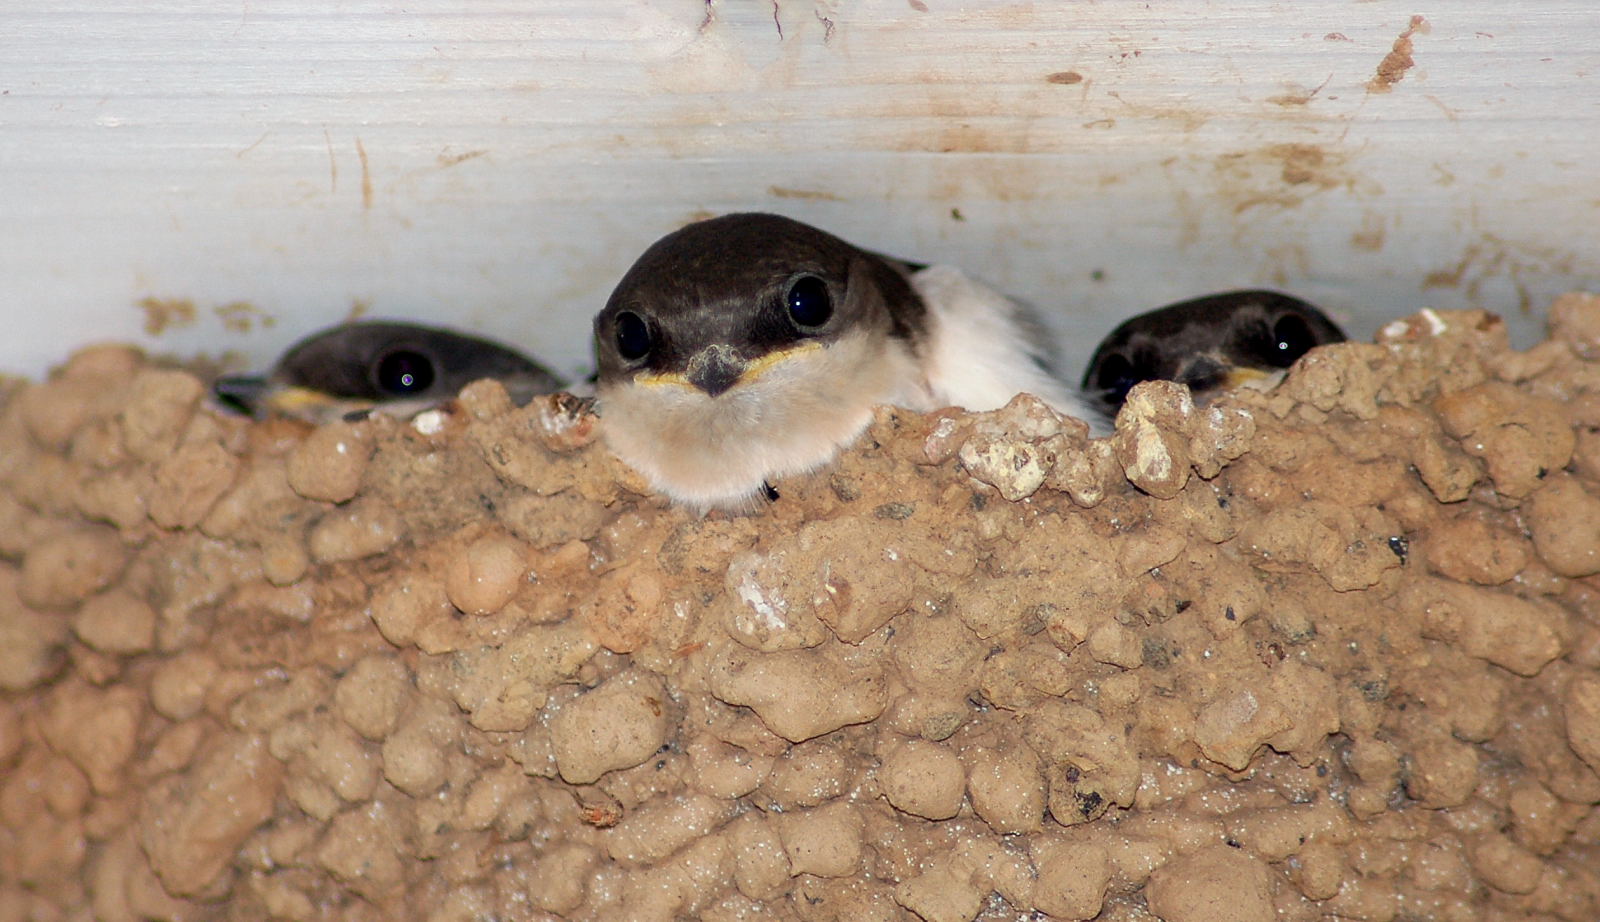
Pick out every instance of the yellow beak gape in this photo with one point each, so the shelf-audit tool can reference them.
(295, 400)
(760, 366)
(1239, 376)
(752, 370)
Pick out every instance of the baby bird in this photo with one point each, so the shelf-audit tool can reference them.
(1211, 344)
(399, 368)
(750, 347)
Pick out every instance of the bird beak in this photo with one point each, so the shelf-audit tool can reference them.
(1239, 376)
(241, 393)
(260, 397)
(1204, 372)
(714, 369)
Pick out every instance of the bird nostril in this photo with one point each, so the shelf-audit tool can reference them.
(715, 369)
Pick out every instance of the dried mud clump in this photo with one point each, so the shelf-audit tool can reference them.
(1326, 651)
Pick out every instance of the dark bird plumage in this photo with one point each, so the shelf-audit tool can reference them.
(1208, 343)
(374, 364)
(753, 346)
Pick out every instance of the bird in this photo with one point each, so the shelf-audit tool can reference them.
(1211, 343)
(355, 368)
(749, 347)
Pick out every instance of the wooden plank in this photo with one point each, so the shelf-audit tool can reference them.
(499, 165)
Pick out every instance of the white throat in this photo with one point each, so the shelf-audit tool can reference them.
(711, 452)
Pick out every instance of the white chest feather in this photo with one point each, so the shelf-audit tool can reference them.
(710, 452)
(982, 347)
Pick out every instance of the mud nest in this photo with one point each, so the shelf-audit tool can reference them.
(1331, 650)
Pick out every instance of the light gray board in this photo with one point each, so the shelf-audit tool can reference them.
(518, 156)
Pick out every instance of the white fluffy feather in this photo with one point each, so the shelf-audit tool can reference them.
(977, 356)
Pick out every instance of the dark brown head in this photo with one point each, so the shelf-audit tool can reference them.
(1208, 343)
(749, 347)
(720, 301)
(367, 364)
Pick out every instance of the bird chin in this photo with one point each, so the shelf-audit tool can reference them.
(716, 452)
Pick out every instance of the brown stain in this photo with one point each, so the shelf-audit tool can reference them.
(966, 120)
(1279, 175)
(1264, 200)
(1494, 259)
(1451, 276)
(1064, 77)
(969, 138)
(1302, 163)
(359, 307)
(931, 110)
(973, 118)
(1337, 37)
(242, 317)
(447, 160)
(918, 5)
(162, 314)
(1394, 65)
(1296, 95)
(810, 194)
(366, 176)
(1369, 238)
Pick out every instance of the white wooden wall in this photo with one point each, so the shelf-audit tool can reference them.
(273, 163)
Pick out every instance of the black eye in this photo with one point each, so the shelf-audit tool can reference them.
(1291, 338)
(403, 372)
(633, 336)
(1115, 377)
(808, 302)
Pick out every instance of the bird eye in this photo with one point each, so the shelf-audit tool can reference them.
(1291, 338)
(633, 336)
(1115, 377)
(808, 302)
(403, 372)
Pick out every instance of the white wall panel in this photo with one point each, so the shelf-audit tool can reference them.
(497, 166)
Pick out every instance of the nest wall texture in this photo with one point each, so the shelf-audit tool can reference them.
(1331, 650)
